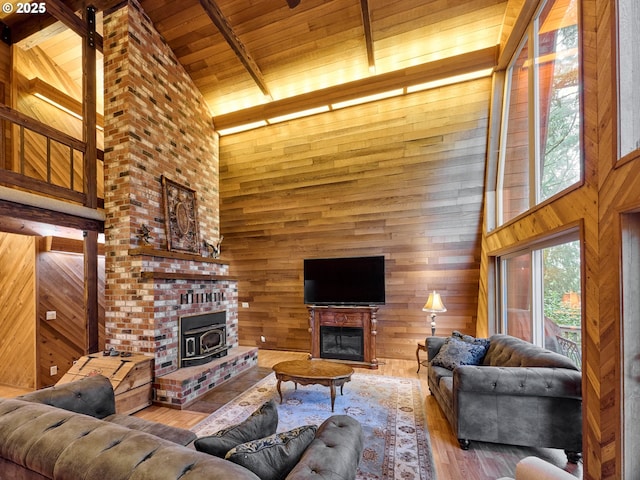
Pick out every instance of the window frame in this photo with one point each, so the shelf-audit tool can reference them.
(620, 158)
(534, 156)
(536, 286)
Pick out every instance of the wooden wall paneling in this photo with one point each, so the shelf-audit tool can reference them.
(619, 192)
(402, 177)
(17, 310)
(61, 279)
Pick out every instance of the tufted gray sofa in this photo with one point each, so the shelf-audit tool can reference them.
(71, 433)
(521, 394)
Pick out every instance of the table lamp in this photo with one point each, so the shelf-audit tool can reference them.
(434, 304)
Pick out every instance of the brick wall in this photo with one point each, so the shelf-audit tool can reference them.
(156, 124)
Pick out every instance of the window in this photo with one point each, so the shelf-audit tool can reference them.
(541, 295)
(515, 172)
(628, 77)
(630, 335)
(540, 154)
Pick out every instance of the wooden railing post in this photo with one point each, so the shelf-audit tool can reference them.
(89, 108)
(90, 177)
(91, 290)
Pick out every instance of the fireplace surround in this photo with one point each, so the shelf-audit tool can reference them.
(351, 336)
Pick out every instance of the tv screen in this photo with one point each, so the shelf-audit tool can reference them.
(344, 281)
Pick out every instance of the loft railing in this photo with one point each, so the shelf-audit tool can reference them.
(43, 160)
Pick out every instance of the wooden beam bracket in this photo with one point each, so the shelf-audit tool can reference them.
(91, 26)
(6, 33)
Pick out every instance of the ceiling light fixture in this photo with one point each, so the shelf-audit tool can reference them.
(368, 98)
(450, 80)
(242, 128)
(60, 100)
(360, 100)
(300, 114)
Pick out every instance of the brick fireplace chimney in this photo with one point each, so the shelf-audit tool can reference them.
(156, 124)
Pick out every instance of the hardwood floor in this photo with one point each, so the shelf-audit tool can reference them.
(483, 461)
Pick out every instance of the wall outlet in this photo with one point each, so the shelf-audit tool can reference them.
(53, 370)
(51, 315)
(262, 338)
(245, 304)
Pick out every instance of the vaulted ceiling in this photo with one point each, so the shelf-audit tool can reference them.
(246, 53)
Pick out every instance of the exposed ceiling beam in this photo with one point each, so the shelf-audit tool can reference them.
(436, 70)
(220, 21)
(368, 36)
(23, 26)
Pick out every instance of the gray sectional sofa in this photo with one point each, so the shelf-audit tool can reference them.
(71, 432)
(517, 394)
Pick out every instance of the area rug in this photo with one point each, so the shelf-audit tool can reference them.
(396, 440)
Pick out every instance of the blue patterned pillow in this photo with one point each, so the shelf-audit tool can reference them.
(456, 352)
(273, 457)
(470, 339)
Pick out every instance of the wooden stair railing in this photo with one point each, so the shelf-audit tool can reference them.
(15, 171)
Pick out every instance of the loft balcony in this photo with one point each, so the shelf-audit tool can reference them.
(42, 160)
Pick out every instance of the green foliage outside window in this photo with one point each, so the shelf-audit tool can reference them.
(561, 277)
(561, 149)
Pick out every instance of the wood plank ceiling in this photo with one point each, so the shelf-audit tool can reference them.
(241, 54)
(245, 53)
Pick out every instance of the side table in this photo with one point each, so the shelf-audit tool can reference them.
(422, 347)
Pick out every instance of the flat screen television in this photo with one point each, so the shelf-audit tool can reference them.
(344, 281)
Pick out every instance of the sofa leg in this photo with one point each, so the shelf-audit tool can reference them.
(573, 457)
(464, 443)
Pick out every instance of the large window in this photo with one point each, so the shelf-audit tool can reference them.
(541, 296)
(628, 77)
(540, 152)
(630, 335)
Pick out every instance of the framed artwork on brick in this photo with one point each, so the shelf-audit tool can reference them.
(180, 217)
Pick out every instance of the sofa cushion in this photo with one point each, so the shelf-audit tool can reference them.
(259, 424)
(456, 352)
(177, 435)
(273, 457)
(508, 351)
(90, 396)
(60, 444)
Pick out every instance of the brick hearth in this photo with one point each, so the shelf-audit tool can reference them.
(182, 387)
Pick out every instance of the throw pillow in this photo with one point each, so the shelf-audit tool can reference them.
(273, 457)
(260, 423)
(455, 353)
(470, 339)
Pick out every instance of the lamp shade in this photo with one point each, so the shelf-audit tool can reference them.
(434, 303)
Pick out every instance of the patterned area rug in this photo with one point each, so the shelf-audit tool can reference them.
(396, 441)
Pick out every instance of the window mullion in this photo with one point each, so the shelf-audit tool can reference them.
(537, 297)
(534, 118)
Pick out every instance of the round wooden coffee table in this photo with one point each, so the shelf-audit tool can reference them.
(313, 372)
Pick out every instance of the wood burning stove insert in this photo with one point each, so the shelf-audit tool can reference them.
(203, 337)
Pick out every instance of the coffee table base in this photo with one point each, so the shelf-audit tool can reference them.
(313, 372)
(332, 384)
